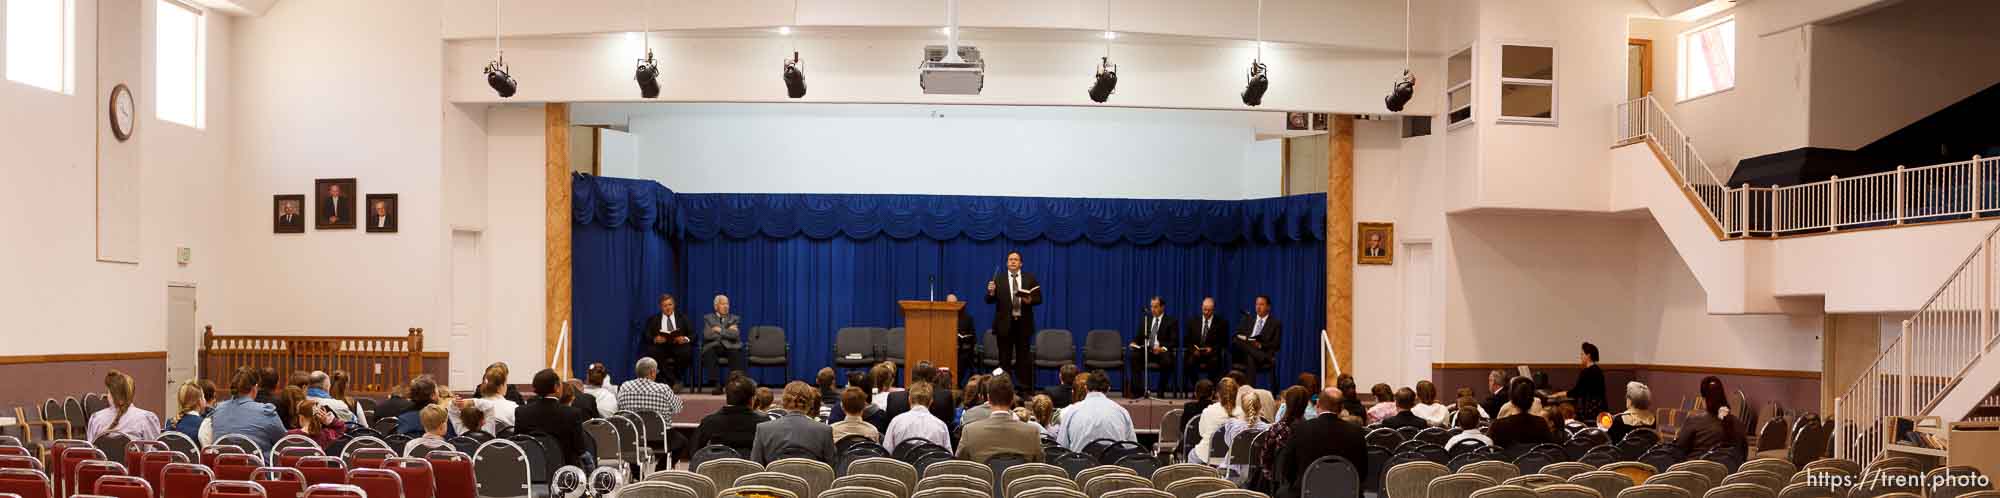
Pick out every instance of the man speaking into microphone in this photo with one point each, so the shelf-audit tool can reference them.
(1014, 295)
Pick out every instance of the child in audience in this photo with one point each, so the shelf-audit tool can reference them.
(318, 422)
(761, 403)
(1385, 403)
(194, 407)
(853, 404)
(435, 422)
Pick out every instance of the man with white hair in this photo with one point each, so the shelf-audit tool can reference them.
(643, 394)
(316, 390)
(721, 334)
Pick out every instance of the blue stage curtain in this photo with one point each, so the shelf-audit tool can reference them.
(622, 257)
(813, 263)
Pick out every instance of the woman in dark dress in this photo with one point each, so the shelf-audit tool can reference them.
(1713, 426)
(1588, 393)
(1638, 412)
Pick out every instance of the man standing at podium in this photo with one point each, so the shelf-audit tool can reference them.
(1014, 295)
(1158, 333)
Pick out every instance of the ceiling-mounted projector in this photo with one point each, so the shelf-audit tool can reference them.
(964, 76)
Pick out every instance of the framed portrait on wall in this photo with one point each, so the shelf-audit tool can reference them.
(381, 214)
(1298, 120)
(1375, 243)
(333, 203)
(288, 213)
(1319, 121)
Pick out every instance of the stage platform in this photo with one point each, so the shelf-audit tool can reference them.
(1146, 413)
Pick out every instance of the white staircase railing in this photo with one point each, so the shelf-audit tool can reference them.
(1902, 196)
(1938, 344)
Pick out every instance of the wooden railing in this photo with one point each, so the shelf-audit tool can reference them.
(374, 364)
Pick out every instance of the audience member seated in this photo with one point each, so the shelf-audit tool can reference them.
(1310, 383)
(735, 424)
(287, 405)
(267, 385)
(397, 403)
(337, 384)
(1047, 418)
(795, 434)
(1428, 406)
(643, 394)
(1297, 399)
(853, 404)
(1250, 418)
(547, 414)
(436, 426)
(760, 402)
(192, 403)
(1468, 424)
(917, 424)
(974, 408)
(1060, 394)
(318, 422)
(1204, 395)
(319, 390)
(1496, 397)
(462, 419)
(1385, 403)
(1638, 412)
(1712, 426)
(1315, 438)
(1096, 417)
(243, 415)
(1212, 419)
(121, 417)
(491, 397)
(423, 393)
(942, 405)
(1523, 428)
(829, 396)
(1000, 432)
(883, 377)
(597, 383)
(1351, 406)
(576, 397)
(1406, 402)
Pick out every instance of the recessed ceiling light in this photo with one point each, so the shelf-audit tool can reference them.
(1111, 35)
(785, 30)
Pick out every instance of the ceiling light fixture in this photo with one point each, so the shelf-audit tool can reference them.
(648, 72)
(496, 69)
(1406, 86)
(1259, 79)
(1106, 80)
(795, 70)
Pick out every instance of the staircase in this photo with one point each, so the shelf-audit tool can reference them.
(1939, 365)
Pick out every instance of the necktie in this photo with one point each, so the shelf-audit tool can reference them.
(1153, 333)
(1013, 291)
(670, 324)
(1204, 328)
(1259, 330)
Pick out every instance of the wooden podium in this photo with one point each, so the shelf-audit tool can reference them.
(930, 334)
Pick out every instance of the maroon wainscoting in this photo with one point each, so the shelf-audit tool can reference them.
(26, 381)
(1672, 385)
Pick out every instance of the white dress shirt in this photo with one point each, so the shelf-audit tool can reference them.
(1095, 417)
(917, 424)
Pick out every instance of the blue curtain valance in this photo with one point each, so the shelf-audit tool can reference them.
(637, 204)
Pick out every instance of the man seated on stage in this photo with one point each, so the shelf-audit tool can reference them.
(968, 341)
(1207, 337)
(1001, 432)
(643, 394)
(735, 423)
(917, 424)
(1158, 334)
(721, 334)
(1096, 417)
(1257, 344)
(666, 338)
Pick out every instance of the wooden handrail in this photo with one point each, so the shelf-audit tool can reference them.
(374, 364)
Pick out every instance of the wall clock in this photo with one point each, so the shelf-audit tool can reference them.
(124, 114)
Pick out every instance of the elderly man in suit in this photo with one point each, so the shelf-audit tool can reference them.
(1207, 338)
(722, 334)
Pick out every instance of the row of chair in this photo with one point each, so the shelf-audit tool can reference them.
(1763, 478)
(862, 347)
(65, 419)
(805, 477)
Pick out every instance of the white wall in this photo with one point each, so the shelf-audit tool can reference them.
(618, 154)
(958, 150)
(317, 98)
(60, 299)
(1881, 71)
(514, 239)
(1769, 108)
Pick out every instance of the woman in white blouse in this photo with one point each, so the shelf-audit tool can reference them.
(1428, 407)
(491, 398)
(1213, 417)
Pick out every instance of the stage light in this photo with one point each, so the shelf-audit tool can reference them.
(1259, 81)
(1400, 94)
(1107, 80)
(497, 77)
(795, 77)
(648, 76)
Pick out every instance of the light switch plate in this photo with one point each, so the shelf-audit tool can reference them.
(183, 255)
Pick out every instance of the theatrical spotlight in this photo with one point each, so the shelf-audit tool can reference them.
(795, 77)
(648, 76)
(1107, 80)
(497, 77)
(1401, 93)
(1260, 80)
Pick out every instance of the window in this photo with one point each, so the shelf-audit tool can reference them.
(41, 43)
(179, 65)
(1458, 87)
(1527, 84)
(1708, 59)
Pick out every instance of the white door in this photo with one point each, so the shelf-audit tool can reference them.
(468, 306)
(1419, 311)
(183, 341)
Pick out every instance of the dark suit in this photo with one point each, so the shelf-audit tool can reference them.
(389, 408)
(722, 338)
(1263, 355)
(332, 209)
(586, 404)
(968, 343)
(733, 426)
(671, 355)
(1216, 338)
(1315, 438)
(1015, 334)
(1167, 333)
(549, 416)
(1061, 395)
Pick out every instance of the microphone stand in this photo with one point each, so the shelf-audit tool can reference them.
(1145, 358)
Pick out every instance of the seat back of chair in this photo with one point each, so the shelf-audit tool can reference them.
(452, 473)
(1104, 345)
(184, 480)
(501, 470)
(854, 346)
(122, 487)
(378, 483)
(1054, 347)
(280, 482)
(334, 491)
(767, 344)
(88, 472)
(26, 483)
(236, 467)
(418, 480)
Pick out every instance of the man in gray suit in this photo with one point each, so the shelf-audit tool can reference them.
(721, 334)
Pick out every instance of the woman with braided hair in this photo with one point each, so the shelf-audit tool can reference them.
(121, 416)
